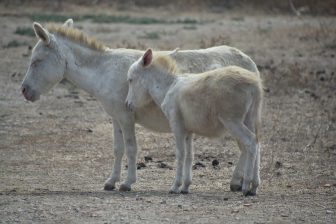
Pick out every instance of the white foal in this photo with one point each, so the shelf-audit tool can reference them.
(65, 52)
(207, 103)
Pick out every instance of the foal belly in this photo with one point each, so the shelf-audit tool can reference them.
(203, 126)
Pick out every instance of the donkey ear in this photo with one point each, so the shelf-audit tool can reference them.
(147, 58)
(68, 23)
(173, 53)
(42, 33)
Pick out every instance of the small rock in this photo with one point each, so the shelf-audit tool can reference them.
(327, 185)
(225, 199)
(148, 159)
(89, 130)
(288, 186)
(197, 165)
(230, 163)
(141, 165)
(235, 211)
(179, 206)
(284, 215)
(278, 164)
(163, 202)
(329, 212)
(215, 162)
(164, 166)
(247, 205)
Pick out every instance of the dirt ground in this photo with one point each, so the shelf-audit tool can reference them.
(55, 154)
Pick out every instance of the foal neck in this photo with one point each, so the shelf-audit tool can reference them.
(159, 83)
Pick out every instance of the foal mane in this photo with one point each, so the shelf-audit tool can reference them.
(77, 36)
(166, 63)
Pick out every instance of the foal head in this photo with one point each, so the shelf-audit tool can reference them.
(47, 64)
(138, 95)
(143, 73)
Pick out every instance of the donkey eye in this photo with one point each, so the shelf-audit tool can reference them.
(130, 80)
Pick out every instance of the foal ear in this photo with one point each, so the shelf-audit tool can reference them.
(41, 33)
(147, 58)
(68, 23)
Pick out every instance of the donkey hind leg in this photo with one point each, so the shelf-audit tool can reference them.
(118, 154)
(238, 173)
(131, 151)
(180, 136)
(247, 139)
(187, 168)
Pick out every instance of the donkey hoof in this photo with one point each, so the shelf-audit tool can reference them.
(109, 187)
(235, 188)
(249, 193)
(124, 187)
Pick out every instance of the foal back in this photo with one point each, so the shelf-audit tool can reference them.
(225, 93)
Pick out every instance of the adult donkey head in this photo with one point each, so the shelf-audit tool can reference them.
(47, 64)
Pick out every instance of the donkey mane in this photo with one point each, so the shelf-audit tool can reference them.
(77, 36)
(166, 63)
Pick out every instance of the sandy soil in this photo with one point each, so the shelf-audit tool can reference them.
(55, 154)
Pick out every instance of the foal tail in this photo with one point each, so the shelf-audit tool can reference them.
(255, 110)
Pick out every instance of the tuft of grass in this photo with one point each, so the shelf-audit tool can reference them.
(151, 35)
(25, 31)
(15, 43)
(103, 18)
(47, 17)
(190, 27)
(186, 21)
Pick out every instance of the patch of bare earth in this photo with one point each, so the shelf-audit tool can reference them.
(55, 154)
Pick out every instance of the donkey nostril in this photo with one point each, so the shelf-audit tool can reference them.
(23, 89)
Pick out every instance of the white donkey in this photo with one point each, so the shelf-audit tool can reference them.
(65, 52)
(207, 103)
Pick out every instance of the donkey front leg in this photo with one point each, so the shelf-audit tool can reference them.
(118, 154)
(187, 169)
(131, 151)
(180, 136)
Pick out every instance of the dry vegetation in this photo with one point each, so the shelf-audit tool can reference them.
(55, 154)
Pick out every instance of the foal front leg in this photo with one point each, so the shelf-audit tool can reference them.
(118, 154)
(180, 136)
(187, 169)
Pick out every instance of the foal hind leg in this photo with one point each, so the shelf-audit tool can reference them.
(187, 168)
(247, 139)
(238, 173)
(251, 125)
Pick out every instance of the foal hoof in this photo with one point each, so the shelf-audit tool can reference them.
(109, 187)
(235, 188)
(184, 192)
(124, 187)
(173, 192)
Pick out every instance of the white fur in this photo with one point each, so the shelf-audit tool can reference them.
(207, 103)
(103, 74)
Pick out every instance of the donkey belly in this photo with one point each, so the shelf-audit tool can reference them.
(151, 117)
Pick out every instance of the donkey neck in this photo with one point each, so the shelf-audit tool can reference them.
(158, 85)
(85, 66)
